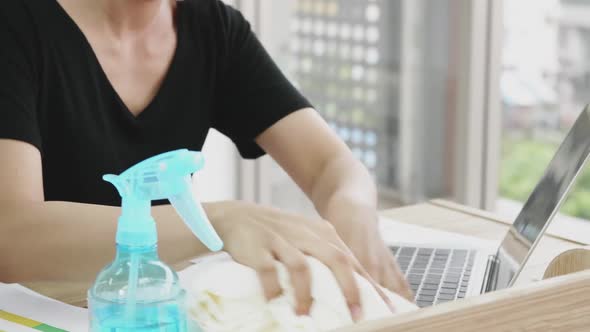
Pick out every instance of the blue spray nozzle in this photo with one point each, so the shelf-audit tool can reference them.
(165, 176)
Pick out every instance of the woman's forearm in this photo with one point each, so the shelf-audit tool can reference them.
(343, 180)
(56, 241)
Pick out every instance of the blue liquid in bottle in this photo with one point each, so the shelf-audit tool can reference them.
(154, 302)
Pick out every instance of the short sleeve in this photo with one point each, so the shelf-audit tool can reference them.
(252, 93)
(18, 88)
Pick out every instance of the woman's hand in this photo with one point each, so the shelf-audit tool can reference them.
(257, 236)
(340, 187)
(358, 226)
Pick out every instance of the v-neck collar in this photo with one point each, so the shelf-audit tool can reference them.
(172, 68)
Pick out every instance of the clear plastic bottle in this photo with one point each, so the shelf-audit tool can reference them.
(159, 300)
(138, 292)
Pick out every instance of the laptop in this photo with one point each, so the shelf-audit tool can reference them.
(438, 275)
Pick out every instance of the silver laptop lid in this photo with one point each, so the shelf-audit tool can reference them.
(542, 204)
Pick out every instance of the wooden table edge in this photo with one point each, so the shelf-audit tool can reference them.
(492, 217)
(512, 309)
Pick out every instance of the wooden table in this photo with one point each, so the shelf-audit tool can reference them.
(558, 304)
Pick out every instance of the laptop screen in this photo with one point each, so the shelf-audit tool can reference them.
(542, 204)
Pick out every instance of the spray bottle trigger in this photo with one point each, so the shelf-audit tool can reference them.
(114, 180)
(193, 215)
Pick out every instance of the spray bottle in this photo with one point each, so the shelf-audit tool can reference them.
(139, 292)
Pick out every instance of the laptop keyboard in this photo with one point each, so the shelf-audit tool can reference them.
(435, 275)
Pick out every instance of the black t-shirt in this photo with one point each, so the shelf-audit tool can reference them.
(55, 95)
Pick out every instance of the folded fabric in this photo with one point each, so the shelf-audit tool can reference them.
(224, 295)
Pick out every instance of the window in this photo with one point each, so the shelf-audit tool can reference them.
(338, 57)
(544, 86)
(416, 87)
(382, 73)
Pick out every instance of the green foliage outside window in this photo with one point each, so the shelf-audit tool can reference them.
(523, 163)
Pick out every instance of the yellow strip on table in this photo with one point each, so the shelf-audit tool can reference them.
(28, 322)
(18, 319)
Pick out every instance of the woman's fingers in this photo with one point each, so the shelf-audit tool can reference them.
(262, 250)
(247, 243)
(327, 231)
(396, 281)
(374, 266)
(387, 279)
(341, 266)
(267, 272)
(360, 270)
(317, 240)
(300, 276)
(385, 269)
(392, 278)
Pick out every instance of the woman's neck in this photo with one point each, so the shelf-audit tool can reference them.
(123, 18)
(131, 15)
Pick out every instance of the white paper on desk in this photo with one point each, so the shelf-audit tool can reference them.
(21, 301)
(394, 232)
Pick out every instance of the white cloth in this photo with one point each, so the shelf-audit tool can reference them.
(227, 296)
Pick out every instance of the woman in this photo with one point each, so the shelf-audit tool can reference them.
(89, 87)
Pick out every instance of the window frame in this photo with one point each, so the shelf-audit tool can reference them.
(477, 139)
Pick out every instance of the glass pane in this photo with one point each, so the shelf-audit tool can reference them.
(545, 84)
(341, 54)
(337, 55)
(346, 57)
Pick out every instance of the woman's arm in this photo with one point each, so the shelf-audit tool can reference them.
(340, 187)
(60, 240)
(318, 161)
(71, 241)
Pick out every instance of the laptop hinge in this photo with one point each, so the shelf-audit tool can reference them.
(491, 275)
